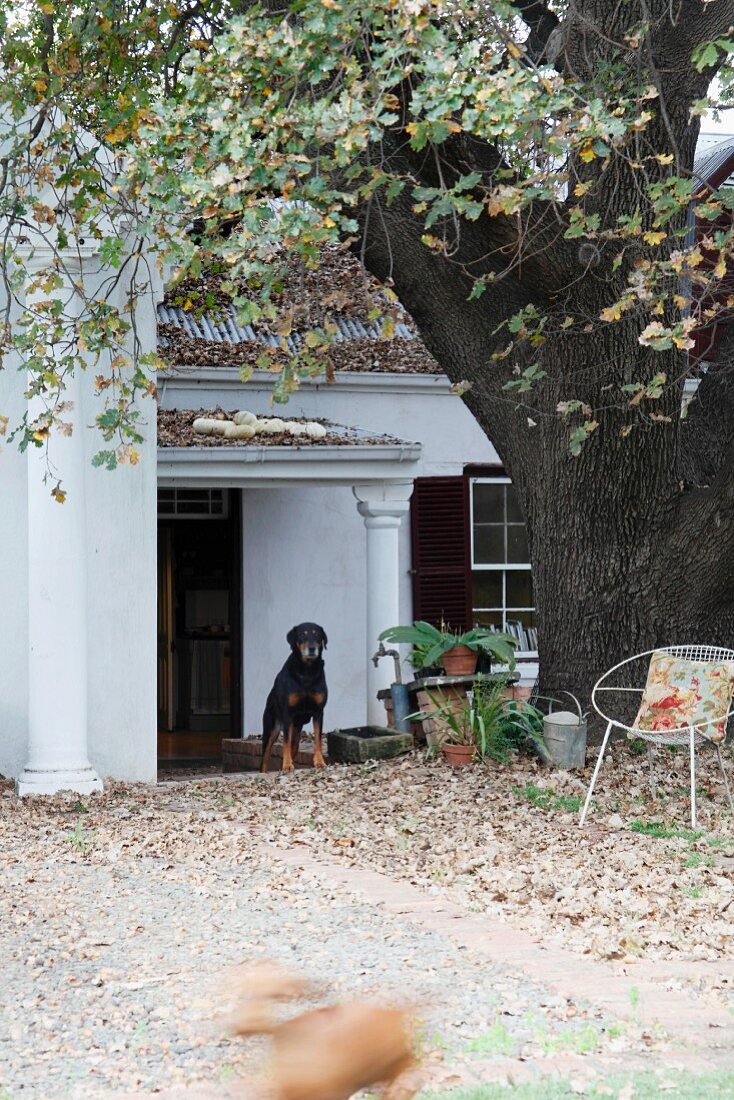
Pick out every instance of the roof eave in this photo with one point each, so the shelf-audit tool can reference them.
(251, 466)
(183, 377)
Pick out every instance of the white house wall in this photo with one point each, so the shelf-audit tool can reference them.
(304, 549)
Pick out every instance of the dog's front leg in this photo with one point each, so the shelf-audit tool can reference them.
(288, 764)
(268, 742)
(318, 756)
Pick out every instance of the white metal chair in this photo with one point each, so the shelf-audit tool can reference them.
(691, 735)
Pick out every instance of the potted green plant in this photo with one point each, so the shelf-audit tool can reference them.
(486, 725)
(457, 653)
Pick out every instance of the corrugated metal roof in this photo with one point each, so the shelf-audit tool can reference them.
(223, 326)
(715, 166)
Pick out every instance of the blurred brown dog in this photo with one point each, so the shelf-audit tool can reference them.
(326, 1053)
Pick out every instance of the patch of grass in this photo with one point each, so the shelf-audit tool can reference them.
(695, 859)
(692, 891)
(646, 1086)
(545, 798)
(497, 1040)
(81, 839)
(661, 831)
(719, 842)
(583, 1040)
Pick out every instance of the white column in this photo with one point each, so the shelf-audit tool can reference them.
(57, 614)
(382, 507)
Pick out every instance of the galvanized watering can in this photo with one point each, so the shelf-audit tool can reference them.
(564, 734)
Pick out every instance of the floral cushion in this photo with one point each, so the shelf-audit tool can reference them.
(683, 693)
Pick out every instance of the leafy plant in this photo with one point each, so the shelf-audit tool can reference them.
(432, 643)
(418, 655)
(497, 727)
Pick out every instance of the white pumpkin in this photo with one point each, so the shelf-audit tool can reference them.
(238, 431)
(274, 426)
(203, 425)
(219, 427)
(314, 430)
(244, 417)
(294, 428)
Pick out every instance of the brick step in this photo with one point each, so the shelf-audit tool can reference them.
(243, 754)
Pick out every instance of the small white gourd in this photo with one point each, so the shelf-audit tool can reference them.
(238, 431)
(294, 428)
(203, 425)
(274, 426)
(314, 430)
(244, 417)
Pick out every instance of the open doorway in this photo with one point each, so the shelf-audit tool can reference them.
(199, 625)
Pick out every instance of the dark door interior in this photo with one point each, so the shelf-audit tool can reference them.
(199, 616)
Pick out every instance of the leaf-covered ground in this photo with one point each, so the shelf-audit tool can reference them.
(120, 913)
(636, 882)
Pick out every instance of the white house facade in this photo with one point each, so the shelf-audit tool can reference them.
(152, 606)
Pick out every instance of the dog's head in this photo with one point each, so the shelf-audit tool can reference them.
(308, 640)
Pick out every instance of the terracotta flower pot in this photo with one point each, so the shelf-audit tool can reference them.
(457, 755)
(459, 661)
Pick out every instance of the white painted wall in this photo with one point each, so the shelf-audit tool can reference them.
(304, 550)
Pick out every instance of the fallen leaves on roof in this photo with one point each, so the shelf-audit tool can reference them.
(395, 356)
(311, 298)
(175, 429)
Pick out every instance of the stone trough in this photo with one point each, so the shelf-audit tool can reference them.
(361, 743)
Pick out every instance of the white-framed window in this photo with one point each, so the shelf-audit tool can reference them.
(502, 584)
(193, 503)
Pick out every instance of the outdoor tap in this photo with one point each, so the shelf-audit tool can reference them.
(382, 652)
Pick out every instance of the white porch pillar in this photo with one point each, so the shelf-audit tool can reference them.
(382, 507)
(57, 614)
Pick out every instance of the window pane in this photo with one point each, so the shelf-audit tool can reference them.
(517, 543)
(487, 589)
(489, 544)
(489, 503)
(519, 588)
(488, 618)
(527, 618)
(514, 513)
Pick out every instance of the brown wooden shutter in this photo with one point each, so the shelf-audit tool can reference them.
(439, 513)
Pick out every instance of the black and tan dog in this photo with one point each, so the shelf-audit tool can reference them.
(298, 695)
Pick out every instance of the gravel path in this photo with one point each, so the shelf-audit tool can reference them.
(121, 918)
(113, 977)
